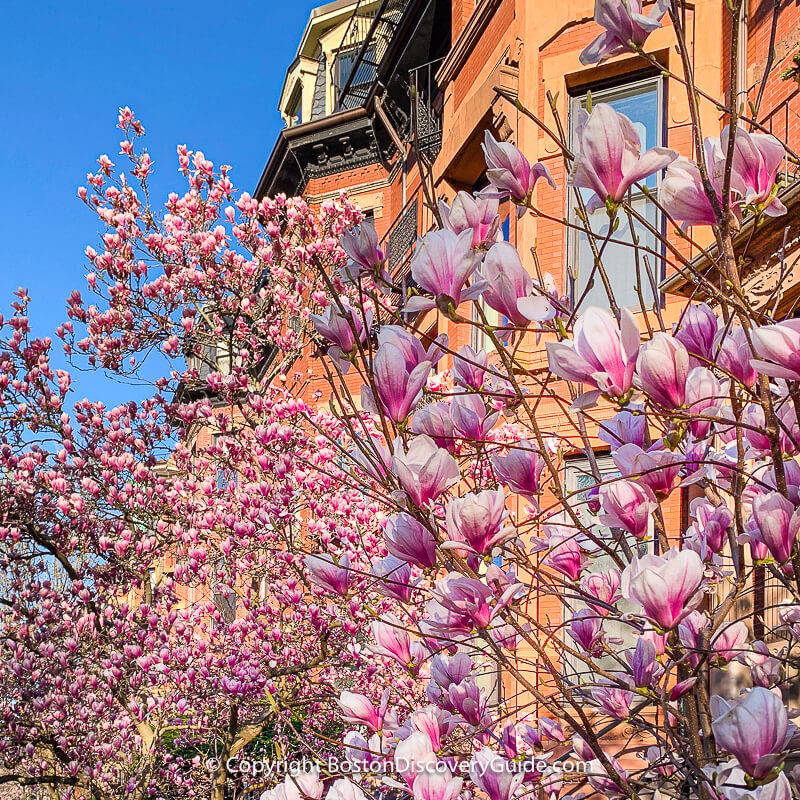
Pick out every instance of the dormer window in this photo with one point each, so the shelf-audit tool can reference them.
(365, 71)
(294, 111)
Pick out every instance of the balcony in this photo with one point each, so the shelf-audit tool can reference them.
(426, 110)
(400, 241)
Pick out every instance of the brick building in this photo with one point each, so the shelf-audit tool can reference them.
(378, 87)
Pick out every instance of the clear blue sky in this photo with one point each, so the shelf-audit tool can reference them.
(195, 72)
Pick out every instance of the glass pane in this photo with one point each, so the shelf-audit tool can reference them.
(618, 260)
(641, 104)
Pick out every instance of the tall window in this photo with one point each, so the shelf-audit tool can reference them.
(642, 102)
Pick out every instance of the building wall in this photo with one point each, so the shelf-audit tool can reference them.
(515, 45)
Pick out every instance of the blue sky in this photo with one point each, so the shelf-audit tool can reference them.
(192, 71)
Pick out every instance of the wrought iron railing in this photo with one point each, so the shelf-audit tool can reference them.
(399, 242)
(426, 109)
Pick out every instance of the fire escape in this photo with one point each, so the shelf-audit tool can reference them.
(380, 65)
(369, 34)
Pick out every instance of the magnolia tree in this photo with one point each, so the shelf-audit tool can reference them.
(650, 657)
(157, 616)
(412, 548)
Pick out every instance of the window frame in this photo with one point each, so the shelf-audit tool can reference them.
(295, 104)
(599, 90)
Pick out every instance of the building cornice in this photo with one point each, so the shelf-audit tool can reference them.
(312, 131)
(776, 236)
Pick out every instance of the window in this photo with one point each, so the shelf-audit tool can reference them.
(226, 476)
(642, 102)
(578, 479)
(478, 339)
(365, 72)
(294, 111)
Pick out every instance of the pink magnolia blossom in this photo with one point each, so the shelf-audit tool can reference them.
(624, 24)
(507, 282)
(615, 701)
(434, 722)
(757, 159)
(754, 730)
(551, 729)
(601, 354)
(361, 245)
(414, 756)
(435, 421)
(477, 519)
(730, 640)
(656, 468)
(298, 786)
(393, 641)
(469, 701)
(586, 629)
(778, 349)
(520, 469)
(682, 195)
(601, 781)
(602, 587)
(627, 505)
(778, 523)
(710, 523)
(609, 159)
(459, 605)
(411, 347)
(437, 784)
(344, 789)
(644, 667)
(624, 427)
(334, 576)
(358, 709)
(662, 368)
(510, 172)
(424, 470)
(443, 263)
(410, 540)
(470, 420)
(666, 587)
(469, 368)
(565, 552)
(394, 578)
(734, 355)
(476, 213)
(697, 329)
(398, 389)
(703, 396)
(494, 774)
(342, 330)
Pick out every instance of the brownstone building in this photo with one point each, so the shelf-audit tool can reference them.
(380, 86)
